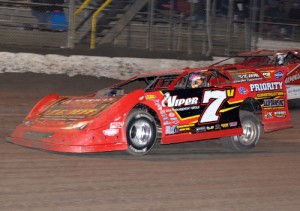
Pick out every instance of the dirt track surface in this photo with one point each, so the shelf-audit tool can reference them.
(190, 176)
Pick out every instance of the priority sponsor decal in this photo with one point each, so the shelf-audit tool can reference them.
(266, 86)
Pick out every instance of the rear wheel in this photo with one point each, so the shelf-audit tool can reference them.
(251, 134)
(141, 132)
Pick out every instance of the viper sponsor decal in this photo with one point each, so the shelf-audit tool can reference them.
(187, 108)
(266, 86)
(173, 101)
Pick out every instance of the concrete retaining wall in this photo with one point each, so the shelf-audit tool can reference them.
(118, 67)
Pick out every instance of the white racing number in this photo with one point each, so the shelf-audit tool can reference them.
(214, 99)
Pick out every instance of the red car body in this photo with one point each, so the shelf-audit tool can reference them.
(161, 107)
(271, 61)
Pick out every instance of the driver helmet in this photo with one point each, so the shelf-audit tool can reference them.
(281, 58)
(197, 80)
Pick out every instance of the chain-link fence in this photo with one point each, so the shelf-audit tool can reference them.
(200, 26)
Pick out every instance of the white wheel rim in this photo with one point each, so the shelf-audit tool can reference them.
(249, 133)
(140, 133)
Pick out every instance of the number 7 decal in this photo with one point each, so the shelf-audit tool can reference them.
(215, 99)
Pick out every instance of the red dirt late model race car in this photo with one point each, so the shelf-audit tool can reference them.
(268, 61)
(167, 107)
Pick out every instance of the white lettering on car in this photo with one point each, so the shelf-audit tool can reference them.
(172, 101)
(266, 86)
(215, 100)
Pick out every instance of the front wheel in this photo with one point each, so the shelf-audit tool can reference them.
(140, 132)
(251, 134)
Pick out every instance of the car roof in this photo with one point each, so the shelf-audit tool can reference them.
(265, 52)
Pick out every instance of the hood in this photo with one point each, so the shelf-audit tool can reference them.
(77, 108)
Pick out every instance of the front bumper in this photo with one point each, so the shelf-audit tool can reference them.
(75, 141)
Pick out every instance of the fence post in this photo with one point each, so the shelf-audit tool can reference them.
(229, 26)
(151, 6)
(71, 30)
(208, 27)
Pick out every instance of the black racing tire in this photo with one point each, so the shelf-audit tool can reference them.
(141, 132)
(252, 132)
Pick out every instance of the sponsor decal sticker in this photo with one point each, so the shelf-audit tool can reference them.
(292, 78)
(268, 115)
(171, 114)
(278, 74)
(116, 125)
(150, 97)
(184, 129)
(218, 127)
(166, 123)
(233, 124)
(171, 129)
(266, 86)
(225, 125)
(270, 94)
(243, 90)
(201, 129)
(111, 132)
(270, 103)
(280, 114)
(173, 101)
